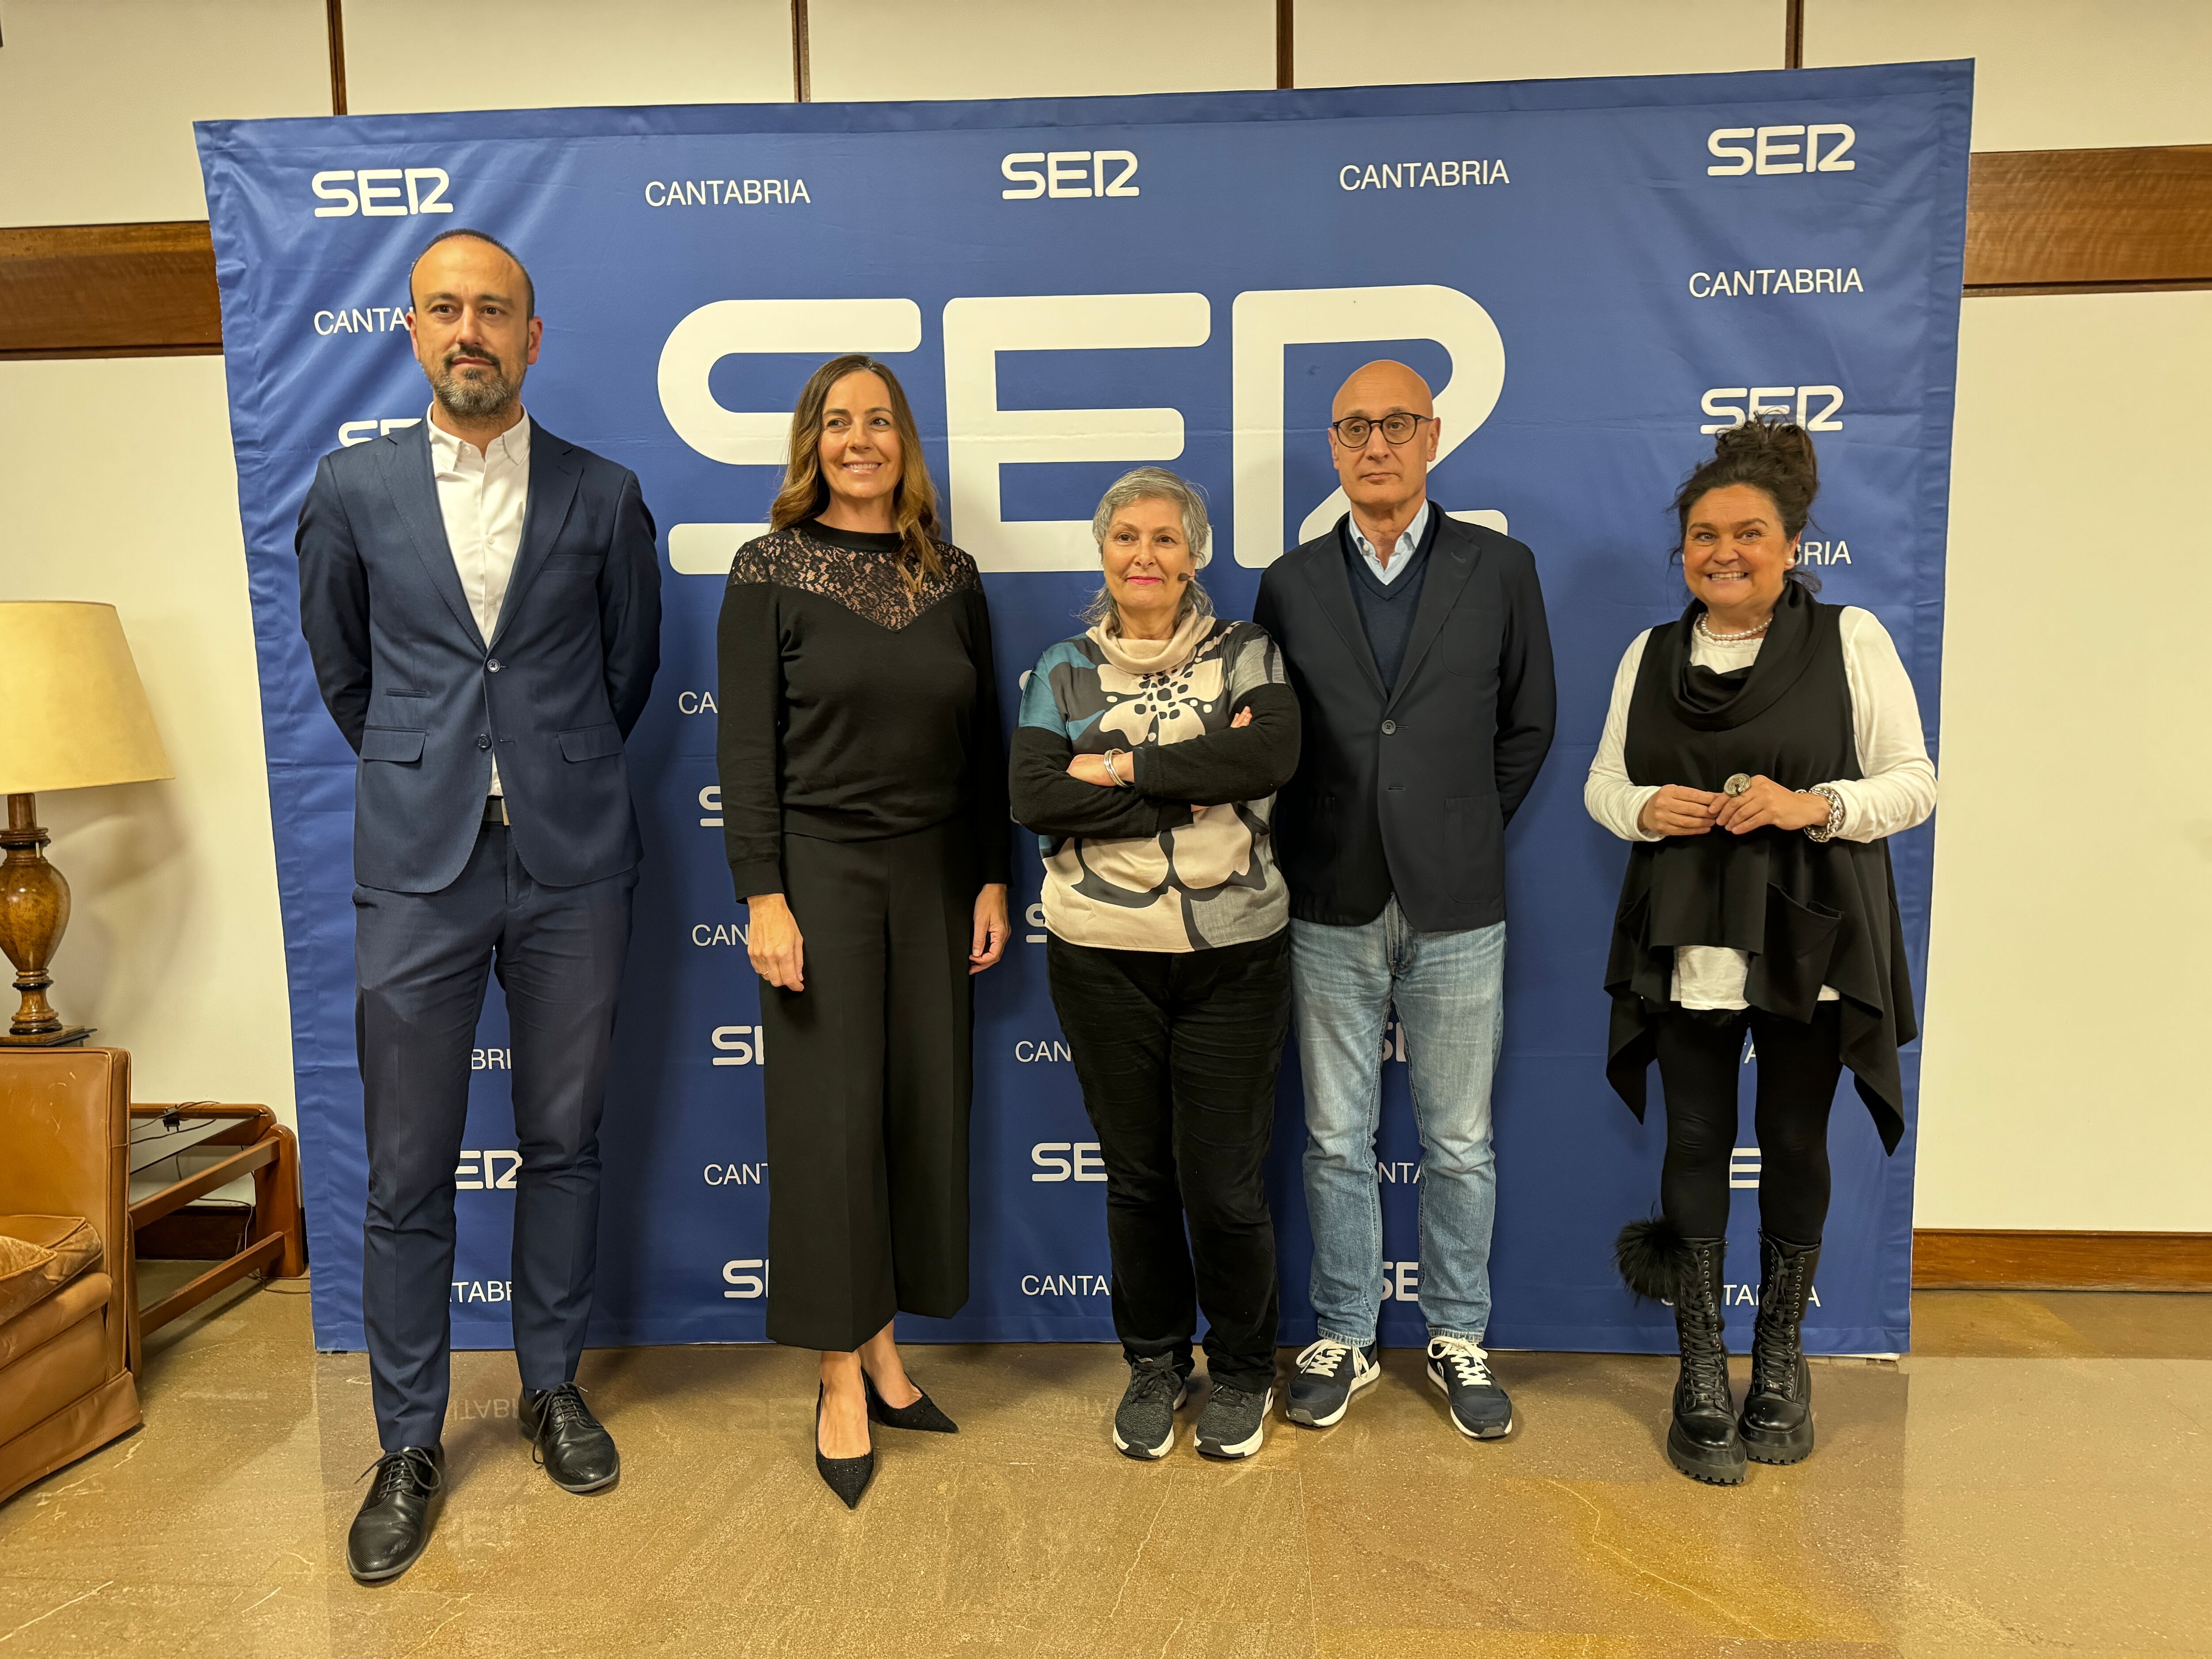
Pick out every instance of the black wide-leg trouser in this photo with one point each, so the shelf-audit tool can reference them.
(869, 1080)
(1177, 1054)
(422, 960)
(1700, 1057)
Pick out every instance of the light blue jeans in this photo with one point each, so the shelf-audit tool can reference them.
(1448, 989)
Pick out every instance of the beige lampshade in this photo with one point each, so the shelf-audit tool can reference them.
(72, 712)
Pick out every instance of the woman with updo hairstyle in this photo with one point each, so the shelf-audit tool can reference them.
(863, 803)
(1149, 749)
(1758, 753)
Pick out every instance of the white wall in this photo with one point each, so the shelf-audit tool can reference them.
(1416, 40)
(2061, 1082)
(119, 487)
(2048, 73)
(97, 97)
(1020, 49)
(2063, 1079)
(409, 55)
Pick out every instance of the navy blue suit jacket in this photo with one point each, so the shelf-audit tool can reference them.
(426, 701)
(1408, 790)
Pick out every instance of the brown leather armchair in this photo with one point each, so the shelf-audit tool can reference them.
(67, 1359)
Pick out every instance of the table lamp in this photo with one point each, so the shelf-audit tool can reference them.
(76, 716)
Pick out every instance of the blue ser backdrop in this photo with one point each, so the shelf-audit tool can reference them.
(1592, 275)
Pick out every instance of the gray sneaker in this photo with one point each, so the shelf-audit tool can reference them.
(1461, 1371)
(1234, 1421)
(1144, 1427)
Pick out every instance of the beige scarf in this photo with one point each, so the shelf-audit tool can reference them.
(1153, 656)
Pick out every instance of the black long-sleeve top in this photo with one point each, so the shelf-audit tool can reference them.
(853, 707)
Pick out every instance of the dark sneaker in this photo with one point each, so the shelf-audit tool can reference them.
(1480, 1409)
(1144, 1427)
(1329, 1373)
(1234, 1421)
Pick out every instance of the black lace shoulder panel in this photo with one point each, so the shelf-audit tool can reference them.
(868, 584)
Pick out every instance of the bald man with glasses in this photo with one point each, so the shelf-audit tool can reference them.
(1418, 648)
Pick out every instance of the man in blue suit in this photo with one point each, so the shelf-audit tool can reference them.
(483, 604)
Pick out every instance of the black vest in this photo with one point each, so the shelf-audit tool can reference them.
(1808, 913)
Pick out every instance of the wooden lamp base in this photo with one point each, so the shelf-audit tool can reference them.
(35, 907)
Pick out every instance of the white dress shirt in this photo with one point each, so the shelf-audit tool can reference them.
(1409, 540)
(481, 496)
(1895, 790)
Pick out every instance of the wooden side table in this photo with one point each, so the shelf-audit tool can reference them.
(275, 1241)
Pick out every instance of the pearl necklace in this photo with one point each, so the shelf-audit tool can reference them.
(1731, 639)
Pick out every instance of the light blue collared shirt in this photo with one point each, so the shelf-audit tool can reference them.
(1400, 555)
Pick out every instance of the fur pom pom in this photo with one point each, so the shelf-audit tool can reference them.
(1651, 1255)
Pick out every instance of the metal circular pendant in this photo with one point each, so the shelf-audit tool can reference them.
(1738, 784)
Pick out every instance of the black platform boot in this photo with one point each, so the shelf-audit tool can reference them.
(1778, 1413)
(1659, 1264)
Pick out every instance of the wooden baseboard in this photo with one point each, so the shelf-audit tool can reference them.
(1958, 1259)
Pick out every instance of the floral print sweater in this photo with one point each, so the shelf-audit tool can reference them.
(1185, 859)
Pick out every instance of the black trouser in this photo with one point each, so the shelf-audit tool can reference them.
(1177, 1052)
(869, 1080)
(1700, 1057)
(421, 960)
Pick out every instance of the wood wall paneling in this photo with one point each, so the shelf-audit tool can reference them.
(1946, 1259)
(2061, 221)
(108, 291)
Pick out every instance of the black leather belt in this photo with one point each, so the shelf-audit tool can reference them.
(494, 809)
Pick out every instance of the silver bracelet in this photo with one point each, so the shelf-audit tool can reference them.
(1826, 831)
(1120, 782)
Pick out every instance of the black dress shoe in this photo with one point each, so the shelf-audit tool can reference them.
(394, 1522)
(847, 1477)
(567, 1439)
(921, 1414)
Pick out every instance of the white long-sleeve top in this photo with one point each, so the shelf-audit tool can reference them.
(1895, 790)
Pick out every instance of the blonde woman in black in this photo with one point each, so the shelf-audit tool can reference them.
(864, 803)
(1758, 754)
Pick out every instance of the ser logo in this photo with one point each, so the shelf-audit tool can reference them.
(360, 432)
(1068, 1160)
(383, 192)
(1076, 174)
(747, 1279)
(1732, 405)
(1401, 1281)
(739, 1045)
(1781, 149)
(491, 1170)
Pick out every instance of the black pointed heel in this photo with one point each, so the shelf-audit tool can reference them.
(921, 1413)
(847, 1477)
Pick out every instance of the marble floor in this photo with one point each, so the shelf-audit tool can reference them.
(2037, 1476)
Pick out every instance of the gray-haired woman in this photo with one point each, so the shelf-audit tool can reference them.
(1147, 758)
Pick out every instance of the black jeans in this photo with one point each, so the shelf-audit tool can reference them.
(1178, 1053)
(1700, 1054)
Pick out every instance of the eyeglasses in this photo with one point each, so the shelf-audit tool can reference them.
(1353, 431)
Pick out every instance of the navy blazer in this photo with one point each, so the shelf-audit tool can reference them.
(426, 701)
(1408, 791)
